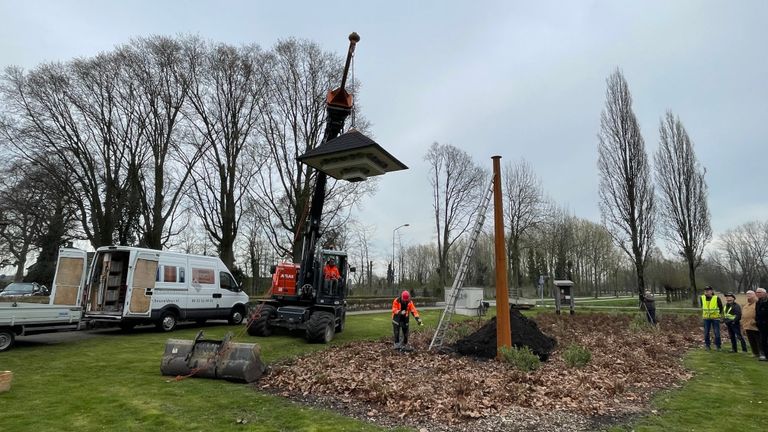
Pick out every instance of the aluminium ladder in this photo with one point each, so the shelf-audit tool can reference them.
(458, 281)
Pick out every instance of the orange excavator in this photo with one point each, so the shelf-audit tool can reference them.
(301, 297)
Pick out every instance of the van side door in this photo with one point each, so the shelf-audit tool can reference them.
(142, 283)
(204, 295)
(69, 279)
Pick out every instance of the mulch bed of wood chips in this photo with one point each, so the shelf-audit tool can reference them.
(371, 380)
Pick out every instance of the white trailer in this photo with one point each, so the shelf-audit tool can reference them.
(130, 286)
(24, 319)
(63, 313)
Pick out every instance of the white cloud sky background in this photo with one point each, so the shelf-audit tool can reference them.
(518, 79)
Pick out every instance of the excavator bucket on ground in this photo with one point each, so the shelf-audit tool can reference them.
(217, 359)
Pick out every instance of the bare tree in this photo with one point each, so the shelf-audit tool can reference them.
(360, 252)
(22, 207)
(225, 93)
(457, 184)
(190, 240)
(594, 255)
(682, 195)
(56, 222)
(293, 122)
(525, 200)
(254, 252)
(626, 191)
(559, 240)
(743, 253)
(79, 116)
(161, 162)
(420, 263)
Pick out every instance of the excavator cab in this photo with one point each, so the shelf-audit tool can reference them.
(332, 280)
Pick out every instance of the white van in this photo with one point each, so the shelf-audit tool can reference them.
(130, 286)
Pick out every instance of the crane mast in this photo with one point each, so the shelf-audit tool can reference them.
(338, 105)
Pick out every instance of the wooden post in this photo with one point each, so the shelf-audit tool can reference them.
(503, 330)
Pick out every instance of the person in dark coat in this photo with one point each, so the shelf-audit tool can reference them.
(732, 317)
(761, 318)
(649, 304)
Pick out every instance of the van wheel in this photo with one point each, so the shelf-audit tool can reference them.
(6, 339)
(167, 321)
(321, 327)
(236, 316)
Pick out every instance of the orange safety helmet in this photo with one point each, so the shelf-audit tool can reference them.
(405, 295)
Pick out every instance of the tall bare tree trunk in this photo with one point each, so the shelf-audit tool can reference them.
(626, 191)
(682, 194)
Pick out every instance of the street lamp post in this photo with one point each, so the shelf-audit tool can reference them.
(393, 252)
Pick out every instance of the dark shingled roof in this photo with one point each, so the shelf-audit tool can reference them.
(345, 142)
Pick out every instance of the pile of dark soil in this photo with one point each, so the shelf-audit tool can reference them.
(525, 332)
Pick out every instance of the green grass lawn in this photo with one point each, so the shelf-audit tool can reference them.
(729, 392)
(112, 382)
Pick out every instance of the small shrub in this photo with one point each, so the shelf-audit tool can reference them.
(639, 324)
(576, 355)
(521, 358)
(459, 331)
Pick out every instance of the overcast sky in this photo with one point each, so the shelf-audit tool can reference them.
(519, 79)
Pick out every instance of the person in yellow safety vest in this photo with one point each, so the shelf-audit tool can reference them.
(732, 315)
(711, 311)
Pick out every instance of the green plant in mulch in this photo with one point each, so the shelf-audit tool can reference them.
(640, 324)
(577, 355)
(521, 358)
(461, 330)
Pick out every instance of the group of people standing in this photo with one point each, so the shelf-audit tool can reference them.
(750, 320)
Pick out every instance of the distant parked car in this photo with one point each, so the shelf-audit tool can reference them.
(24, 289)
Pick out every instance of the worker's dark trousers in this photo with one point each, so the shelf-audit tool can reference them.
(397, 327)
(331, 287)
(734, 333)
(754, 341)
(713, 324)
(650, 315)
(763, 329)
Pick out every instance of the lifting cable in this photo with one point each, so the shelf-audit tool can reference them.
(352, 85)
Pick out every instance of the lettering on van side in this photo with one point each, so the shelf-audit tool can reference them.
(156, 300)
(201, 300)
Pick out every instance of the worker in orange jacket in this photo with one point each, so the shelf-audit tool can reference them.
(331, 277)
(331, 272)
(402, 308)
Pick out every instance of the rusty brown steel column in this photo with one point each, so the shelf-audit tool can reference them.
(503, 329)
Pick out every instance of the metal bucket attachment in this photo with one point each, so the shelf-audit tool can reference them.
(205, 358)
